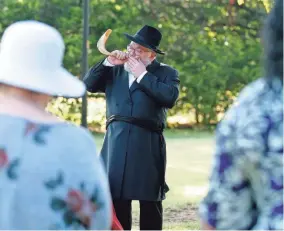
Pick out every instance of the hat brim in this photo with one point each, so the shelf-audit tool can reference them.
(54, 83)
(142, 43)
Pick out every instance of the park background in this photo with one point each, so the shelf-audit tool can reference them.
(214, 44)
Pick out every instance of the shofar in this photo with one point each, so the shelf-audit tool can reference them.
(102, 42)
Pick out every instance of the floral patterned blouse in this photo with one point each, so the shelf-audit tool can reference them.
(50, 177)
(246, 185)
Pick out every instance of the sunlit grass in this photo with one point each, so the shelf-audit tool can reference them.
(189, 155)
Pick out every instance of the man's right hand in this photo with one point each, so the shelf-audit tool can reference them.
(117, 57)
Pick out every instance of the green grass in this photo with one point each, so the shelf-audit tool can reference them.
(189, 156)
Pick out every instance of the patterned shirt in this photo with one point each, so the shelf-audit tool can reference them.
(50, 177)
(246, 185)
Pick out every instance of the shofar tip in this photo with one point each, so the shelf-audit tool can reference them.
(102, 42)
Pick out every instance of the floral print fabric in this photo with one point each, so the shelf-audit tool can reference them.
(51, 178)
(246, 184)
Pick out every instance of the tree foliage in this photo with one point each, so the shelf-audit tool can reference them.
(214, 44)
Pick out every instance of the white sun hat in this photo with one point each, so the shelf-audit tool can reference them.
(31, 55)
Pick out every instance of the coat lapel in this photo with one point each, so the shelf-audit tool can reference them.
(125, 81)
(150, 68)
(133, 87)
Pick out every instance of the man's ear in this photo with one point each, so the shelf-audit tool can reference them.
(153, 55)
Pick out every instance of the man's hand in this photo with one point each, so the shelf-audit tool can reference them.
(136, 67)
(117, 57)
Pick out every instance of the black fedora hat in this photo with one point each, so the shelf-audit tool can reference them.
(148, 37)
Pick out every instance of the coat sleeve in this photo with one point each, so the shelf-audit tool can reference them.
(164, 93)
(97, 76)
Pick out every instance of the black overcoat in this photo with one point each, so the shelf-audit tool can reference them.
(131, 154)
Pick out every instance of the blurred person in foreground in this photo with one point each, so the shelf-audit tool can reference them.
(246, 185)
(50, 174)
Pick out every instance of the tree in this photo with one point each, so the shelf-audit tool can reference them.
(214, 44)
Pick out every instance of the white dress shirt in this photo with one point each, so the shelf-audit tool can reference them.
(131, 78)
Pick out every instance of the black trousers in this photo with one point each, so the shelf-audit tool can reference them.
(151, 214)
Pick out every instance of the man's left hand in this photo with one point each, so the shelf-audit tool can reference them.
(136, 67)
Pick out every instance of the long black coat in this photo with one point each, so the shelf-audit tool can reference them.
(132, 154)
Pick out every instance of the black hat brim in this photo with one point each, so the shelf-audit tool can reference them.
(142, 43)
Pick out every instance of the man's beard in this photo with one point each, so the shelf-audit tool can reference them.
(126, 68)
(147, 62)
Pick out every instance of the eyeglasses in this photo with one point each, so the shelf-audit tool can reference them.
(138, 50)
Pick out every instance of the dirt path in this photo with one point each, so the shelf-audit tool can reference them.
(179, 215)
(187, 213)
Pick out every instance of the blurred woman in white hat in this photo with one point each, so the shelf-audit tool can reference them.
(50, 174)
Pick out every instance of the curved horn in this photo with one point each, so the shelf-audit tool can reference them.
(102, 42)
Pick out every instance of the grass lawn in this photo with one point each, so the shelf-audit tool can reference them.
(189, 156)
